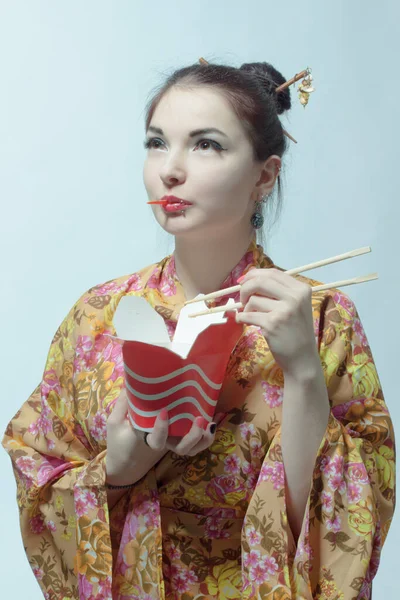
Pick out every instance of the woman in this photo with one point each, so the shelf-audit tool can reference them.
(293, 493)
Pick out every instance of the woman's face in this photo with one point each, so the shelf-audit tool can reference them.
(215, 171)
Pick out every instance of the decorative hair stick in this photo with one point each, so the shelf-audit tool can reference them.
(289, 136)
(305, 89)
(293, 80)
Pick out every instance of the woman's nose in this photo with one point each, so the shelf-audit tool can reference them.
(172, 174)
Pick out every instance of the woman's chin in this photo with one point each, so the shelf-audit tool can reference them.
(176, 223)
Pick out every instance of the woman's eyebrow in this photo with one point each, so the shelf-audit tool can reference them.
(192, 133)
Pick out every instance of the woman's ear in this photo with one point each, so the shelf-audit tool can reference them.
(269, 173)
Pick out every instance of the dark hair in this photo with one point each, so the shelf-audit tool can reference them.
(250, 90)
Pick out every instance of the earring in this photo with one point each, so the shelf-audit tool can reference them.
(257, 218)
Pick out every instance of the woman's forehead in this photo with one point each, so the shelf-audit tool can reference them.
(194, 108)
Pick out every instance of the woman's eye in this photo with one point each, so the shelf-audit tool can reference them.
(150, 144)
(214, 144)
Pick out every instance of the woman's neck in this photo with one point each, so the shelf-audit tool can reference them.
(203, 265)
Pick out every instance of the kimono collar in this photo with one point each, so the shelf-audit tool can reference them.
(165, 284)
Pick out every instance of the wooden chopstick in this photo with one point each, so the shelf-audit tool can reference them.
(316, 288)
(314, 265)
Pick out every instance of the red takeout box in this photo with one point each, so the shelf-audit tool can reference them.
(184, 376)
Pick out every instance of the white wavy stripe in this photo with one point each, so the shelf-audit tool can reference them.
(171, 421)
(154, 413)
(166, 393)
(215, 386)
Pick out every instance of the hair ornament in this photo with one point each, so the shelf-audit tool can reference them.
(305, 88)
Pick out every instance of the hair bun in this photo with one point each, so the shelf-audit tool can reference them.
(270, 79)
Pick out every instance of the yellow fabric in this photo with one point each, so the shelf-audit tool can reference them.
(213, 525)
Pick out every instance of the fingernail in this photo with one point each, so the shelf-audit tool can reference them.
(201, 422)
(164, 414)
(219, 417)
(213, 427)
(241, 279)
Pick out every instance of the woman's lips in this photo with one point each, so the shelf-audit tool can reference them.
(170, 200)
(172, 204)
(170, 207)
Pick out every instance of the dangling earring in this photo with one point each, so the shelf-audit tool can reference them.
(257, 218)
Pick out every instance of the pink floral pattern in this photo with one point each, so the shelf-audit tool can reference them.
(213, 525)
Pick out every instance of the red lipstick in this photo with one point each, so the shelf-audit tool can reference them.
(171, 203)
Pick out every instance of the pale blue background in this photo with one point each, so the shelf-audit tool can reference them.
(74, 80)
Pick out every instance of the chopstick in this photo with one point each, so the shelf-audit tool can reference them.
(316, 288)
(314, 265)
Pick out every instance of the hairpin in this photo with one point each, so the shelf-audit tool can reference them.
(305, 88)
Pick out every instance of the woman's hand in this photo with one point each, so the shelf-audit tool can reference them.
(129, 458)
(282, 307)
(195, 441)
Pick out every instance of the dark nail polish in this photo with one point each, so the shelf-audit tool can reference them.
(213, 427)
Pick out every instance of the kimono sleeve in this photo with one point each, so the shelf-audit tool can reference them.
(352, 488)
(352, 496)
(60, 481)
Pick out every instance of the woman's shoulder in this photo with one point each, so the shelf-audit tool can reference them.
(93, 311)
(125, 283)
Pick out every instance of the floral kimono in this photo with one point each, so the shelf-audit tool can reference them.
(214, 525)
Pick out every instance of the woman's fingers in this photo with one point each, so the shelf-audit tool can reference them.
(120, 409)
(157, 439)
(185, 444)
(196, 440)
(218, 417)
(204, 443)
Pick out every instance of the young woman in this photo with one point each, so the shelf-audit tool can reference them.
(292, 494)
